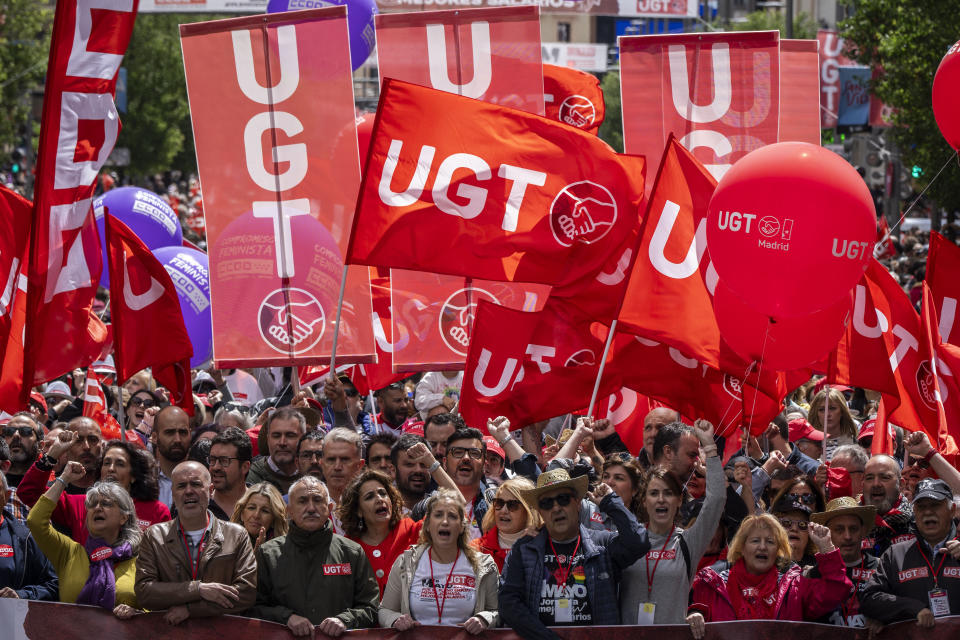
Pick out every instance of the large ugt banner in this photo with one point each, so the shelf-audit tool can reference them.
(488, 54)
(271, 98)
(719, 93)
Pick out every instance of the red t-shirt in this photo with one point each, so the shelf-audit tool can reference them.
(382, 556)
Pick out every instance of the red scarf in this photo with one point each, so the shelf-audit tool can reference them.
(754, 597)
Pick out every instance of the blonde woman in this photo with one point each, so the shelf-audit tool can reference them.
(262, 513)
(442, 580)
(507, 520)
(764, 584)
(833, 419)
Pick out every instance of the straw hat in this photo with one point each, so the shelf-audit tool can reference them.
(847, 506)
(553, 480)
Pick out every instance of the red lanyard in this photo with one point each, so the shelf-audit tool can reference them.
(845, 607)
(561, 575)
(939, 566)
(194, 566)
(441, 603)
(647, 557)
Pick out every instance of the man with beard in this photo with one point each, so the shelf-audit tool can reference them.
(171, 439)
(81, 442)
(195, 565)
(22, 435)
(464, 464)
(918, 579)
(413, 474)
(291, 587)
(438, 428)
(279, 468)
(230, 454)
(394, 409)
(310, 454)
(881, 489)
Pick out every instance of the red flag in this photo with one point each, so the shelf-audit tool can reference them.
(15, 212)
(940, 364)
(799, 91)
(720, 91)
(515, 207)
(627, 409)
(95, 407)
(148, 328)
(271, 101)
(884, 247)
(79, 128)
(490, 54)
(573, 97)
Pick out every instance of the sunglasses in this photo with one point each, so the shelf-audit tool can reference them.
(137, 401)
(24, 432)
(350, 392)
(564, 499)
(511, 505)
(458, 452)
(801, 524)
(806, 499)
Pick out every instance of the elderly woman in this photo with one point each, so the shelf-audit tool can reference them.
(262, 513)
(465, 581)
(507, 520)
(130, 466)
(371, 511)
(101, 571)
(25, 572)
(764, 584)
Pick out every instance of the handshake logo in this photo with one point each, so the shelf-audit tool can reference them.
(577, 111)
(457, 315)
(582, 212)
(293, 323)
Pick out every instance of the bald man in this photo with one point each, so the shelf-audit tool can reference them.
(170, 438)
(195, 565)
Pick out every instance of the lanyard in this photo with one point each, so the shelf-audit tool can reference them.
(845, 607)
(561, 575)
(441, 603)
(939, 566)
(194, 566)
(647, 558)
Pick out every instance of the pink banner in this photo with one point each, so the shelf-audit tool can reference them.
(799, 91)
(717, 92)
(271, 99)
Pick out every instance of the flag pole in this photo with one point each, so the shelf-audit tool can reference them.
(373, 412)
(336, 326)
(603, 361)
(122, 413)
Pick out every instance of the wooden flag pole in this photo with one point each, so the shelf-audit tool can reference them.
(336, 326)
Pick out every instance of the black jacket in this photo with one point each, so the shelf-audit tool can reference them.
(33, 577)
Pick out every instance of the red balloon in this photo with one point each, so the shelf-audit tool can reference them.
(946, 96)
(791, 343)
(790, 214)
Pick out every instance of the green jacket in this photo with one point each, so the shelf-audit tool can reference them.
(317, 575)
(260, 471)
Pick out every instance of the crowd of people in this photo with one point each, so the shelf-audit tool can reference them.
(325, 510)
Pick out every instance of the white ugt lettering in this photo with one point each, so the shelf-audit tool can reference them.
(280, 213)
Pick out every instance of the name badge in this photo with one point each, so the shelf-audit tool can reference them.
(337, 569)
(6, 551)
(939, 602)
(563, 611)
(645, 615)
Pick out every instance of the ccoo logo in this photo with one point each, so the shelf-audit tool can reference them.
(577, 111)
(925, 385)
(291, 323)
(733, 386)
(456, 317)
(582, 212)
(580, 358)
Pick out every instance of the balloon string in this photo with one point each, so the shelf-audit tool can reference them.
(912, 205)
(734, 402)
(756, 390)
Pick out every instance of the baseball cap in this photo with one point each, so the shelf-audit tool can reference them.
(933, 489)
(786, 504)
(58, 389)
(39, 399)
(494, 447)
(800, 428)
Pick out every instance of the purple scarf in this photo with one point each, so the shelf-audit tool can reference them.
(101, 587)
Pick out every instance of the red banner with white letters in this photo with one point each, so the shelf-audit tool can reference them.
(489, 54)
(271, 99)
(79, 128)
(799, 91)
(831, 59)
(718, 93)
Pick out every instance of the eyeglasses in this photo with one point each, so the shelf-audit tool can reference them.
(350, 392)
(223, 461)
(511, 505)
(563, 500)
(24, 432)
(801, 524)
(146, 403)
(807, 499)
(306, 456)
(458, 452)
(106, 503)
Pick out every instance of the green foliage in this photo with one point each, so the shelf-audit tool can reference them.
(24, 48)
(804, 27)
(156, 127)
(611, 131)
(906, 41)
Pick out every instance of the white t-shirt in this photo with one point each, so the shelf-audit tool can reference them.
(461, 592)
(244, 387)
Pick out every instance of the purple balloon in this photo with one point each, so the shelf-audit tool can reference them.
(190, 271)
(359, 22)
(148, 215)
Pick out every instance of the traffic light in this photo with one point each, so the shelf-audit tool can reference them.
(17, 158)
(916, 171)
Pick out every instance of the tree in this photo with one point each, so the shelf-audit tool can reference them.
(904, 42)
(611, 131)
(25, 27)
(804, 27)
(156, 127)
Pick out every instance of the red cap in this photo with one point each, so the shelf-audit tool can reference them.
(870, 426)
(800, 428)
(415, 427)
(39, 399)
(823, 383)
(494, 447)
